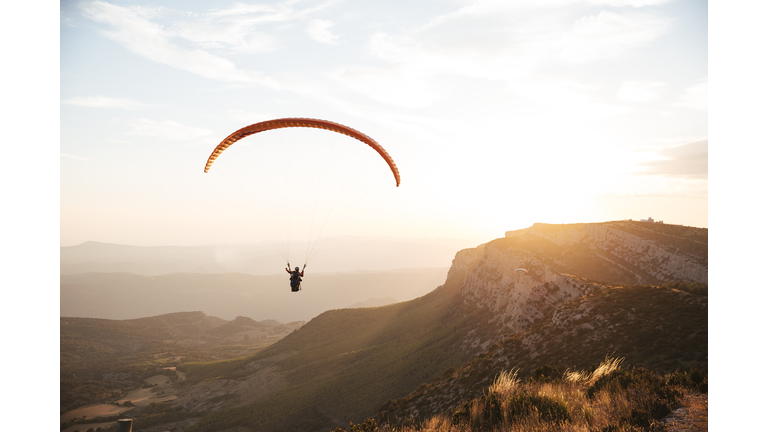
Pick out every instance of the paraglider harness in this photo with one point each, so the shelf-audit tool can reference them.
(295, 277)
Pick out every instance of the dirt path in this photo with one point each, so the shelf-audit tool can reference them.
(92, 411)
(692, 416)
(139, 397)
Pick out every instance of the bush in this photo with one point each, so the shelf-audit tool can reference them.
(368, 425)
(550, 410)
(548, 373)
(693, 379)
(489, 411)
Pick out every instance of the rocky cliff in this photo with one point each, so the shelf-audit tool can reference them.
(564, 262)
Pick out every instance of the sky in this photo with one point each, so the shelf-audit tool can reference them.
(498, 115)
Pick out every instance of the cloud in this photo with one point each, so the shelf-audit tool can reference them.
(631, 3)
(512, 46)
(69, 156)
(695, 97)
(104, 102)
(640, 91)
(609, 34)
(132, 28)
(550, 4)
(319, 30)
(689, 160)
(235, 29)
(232, 37)
(167, 129)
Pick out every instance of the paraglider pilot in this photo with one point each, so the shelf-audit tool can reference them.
(296, 276)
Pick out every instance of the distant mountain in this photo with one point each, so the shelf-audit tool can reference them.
(127, 295)
(579, 298)
(336, 254)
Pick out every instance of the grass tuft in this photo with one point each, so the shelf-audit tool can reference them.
(505, 383)
(605, 368)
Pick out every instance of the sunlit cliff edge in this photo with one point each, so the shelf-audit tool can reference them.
(570, 260)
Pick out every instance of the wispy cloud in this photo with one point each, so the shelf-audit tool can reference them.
(640, 91)
(167, 129)
(319, 30)
(431, 62)
(689, 160)
(105, 102)
(631, 3)
(69, 156)
(696, 97)
(133, 28)
(609, 34)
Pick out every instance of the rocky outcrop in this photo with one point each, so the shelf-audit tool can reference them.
(664, 256)
(568, 261)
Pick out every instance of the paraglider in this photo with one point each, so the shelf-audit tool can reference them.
(526, 271)
(303, 122)
(296, 274)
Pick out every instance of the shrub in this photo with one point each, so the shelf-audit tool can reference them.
(368, 425)
(550, 410)
(489, 411)
(694, 379)
(548, 373)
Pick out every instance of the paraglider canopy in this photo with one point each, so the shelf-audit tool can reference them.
(302, 122)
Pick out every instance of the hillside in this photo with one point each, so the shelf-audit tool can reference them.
(659, 328)
(341, 365)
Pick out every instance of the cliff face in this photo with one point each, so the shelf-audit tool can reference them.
(564, 261)
(660, 252)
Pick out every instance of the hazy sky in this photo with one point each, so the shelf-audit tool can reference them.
(498, 114)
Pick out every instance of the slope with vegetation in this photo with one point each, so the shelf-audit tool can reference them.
(605, 398)
(659, 328)
(342, 365)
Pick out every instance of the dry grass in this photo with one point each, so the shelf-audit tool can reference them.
(612, 407)
(505, 384)
(606, 367)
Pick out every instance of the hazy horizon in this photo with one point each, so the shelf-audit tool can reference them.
(336, 255)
